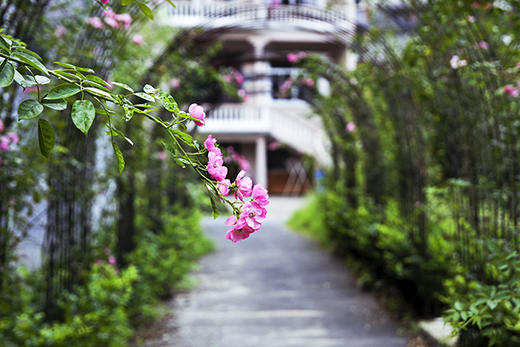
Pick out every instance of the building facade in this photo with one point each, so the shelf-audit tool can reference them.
(272, 126)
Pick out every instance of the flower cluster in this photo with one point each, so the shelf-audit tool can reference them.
(110, 258)
(511, 90)
(234, 75)
(111, 19)
(248, 217)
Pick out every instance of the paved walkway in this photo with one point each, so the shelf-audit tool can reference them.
(275, 289)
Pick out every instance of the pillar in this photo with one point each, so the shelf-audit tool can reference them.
(261, 161)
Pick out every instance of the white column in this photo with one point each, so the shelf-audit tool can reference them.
(261, 161)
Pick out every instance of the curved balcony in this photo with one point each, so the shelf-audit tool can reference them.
(257, 16)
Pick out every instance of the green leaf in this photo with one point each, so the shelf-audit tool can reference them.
(83, 114)
(149, 89)
(146, 10)
(31, 61)
(119, 157)
(98, 92)
(42, 79)
(28, 51)
(6, 74)
(58, 105)
(169, 102)
(96, 79)
(114, 132)
(46, 137)
(29, 109)
(185, 137)
(171, 3)
(126, 2)
(70, 66)
(124, 86)
(63, 91)
(145, 96)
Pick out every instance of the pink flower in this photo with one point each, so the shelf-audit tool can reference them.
(309, 82)
(209, 143)
(161, 155)
(292, 57)
(60, 31)
(243, 163)
(260, 196)
(509, 89)
(4, 143)
(2, 127)
(239, 231)
(483, 44)
(286, 84)
(112, 22)
(197, 112)
(351, 126)
(238, 77)
(223, 187)
(175, 83)
(273, 146)
(137, 39)
(253, 215)
(227, 78)
(124, 18)
(105, 1)
(95, 22)
(244, 185)
(243, 94)
(99, 262)
(14, 137)
(109, 13)
(112, 260)
(31, 89)
(215, 168)
(456, 62)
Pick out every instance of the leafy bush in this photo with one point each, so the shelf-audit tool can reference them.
(488, 302)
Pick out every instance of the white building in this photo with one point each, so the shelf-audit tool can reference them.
(257, 36)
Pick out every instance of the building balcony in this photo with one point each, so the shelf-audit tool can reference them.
(311, 16)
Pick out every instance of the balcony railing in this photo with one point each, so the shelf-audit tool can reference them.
(238, 14)
(303, 134)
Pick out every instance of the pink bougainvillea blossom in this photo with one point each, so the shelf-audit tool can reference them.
(13, 137)
(162, 155)
(197, 112)
(456, 62)
(273, 146)
(223, 187)
(509, 89)
(112, 260)
(4, 143)
(350, 127)
(105, 1)
(483, 44)
(244, 186)
(95, 22)
(2, 127)
(137, 39)
(227, 78)
(175, 83)
(209, 143)
(215, 168)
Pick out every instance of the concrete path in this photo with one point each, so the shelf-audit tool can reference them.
(275, 289)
